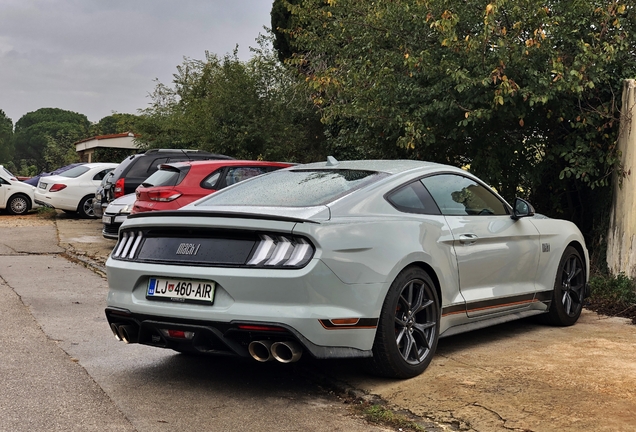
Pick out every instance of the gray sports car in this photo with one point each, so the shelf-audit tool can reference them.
(370, 259)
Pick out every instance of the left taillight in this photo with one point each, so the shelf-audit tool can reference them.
(118, 190)
(57, 187)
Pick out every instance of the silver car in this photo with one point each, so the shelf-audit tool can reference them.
(115, 214)
(367, 259)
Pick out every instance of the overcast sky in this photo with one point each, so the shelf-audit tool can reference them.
(97, 57)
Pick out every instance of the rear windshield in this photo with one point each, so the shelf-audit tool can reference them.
(75, 172)
(297, 188)
(166, 177)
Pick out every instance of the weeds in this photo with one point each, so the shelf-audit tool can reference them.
(46, 212)
(380, 415)
(613, 295)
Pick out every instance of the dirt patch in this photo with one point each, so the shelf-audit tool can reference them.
(608, 308)
(30, 219)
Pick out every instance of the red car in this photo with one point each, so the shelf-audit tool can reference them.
(177, 184)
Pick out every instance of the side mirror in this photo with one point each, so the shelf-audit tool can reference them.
(521, 208)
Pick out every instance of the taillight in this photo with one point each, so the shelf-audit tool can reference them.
(119, 188)
(57, 187)
(281, 251)
(163, 196)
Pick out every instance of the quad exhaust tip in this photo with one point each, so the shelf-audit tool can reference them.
(126, 333)
(261, 350)
(286, 352)
(266, 350)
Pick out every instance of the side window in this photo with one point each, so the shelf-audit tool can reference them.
(3, 181)
(100, 175)
(457, 195)
(211, 181)
(413, 198)
(145, 166)
(238, 174)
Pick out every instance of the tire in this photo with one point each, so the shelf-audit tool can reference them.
(408, 329)
(18, 204)
(569, 290)
(85, 207)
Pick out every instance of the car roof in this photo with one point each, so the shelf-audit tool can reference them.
(395, 166)
(226, 162)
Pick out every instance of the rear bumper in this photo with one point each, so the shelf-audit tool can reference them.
(215, 338)
(303, 301)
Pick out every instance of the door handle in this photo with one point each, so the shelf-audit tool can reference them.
(468, 239)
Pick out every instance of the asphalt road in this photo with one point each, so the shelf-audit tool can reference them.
(61, 368)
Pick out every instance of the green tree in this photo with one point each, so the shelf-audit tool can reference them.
(6, 138)
(523, 92)
(114, 124)
(254, 109)
(44, 138)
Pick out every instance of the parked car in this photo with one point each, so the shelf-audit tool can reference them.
(73, 190)
(101, 202)
(368, 259)
(177, 184)
(33, 181)
(16, 197)
(115, 214)
(133, 170)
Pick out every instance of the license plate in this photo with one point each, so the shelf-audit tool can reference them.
(181, 290)
(107, 220)
(42, 185)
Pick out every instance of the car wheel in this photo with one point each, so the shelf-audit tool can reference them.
(569, 290)
(85, 207)
(18, 205)
(408, 329)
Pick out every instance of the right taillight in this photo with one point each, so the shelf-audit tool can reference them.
(119, 188)
(57, 187)
(281, 251)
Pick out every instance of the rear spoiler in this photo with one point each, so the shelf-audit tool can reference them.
(219, 214)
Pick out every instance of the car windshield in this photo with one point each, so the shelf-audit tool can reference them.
(7, 173)
(294, 188)
(75, 172)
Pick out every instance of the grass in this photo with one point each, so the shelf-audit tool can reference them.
(46, 212)
(383, 416)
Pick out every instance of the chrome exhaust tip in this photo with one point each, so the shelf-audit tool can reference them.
(286, 352)
(115, 330)
(261, 350)
(128, 333)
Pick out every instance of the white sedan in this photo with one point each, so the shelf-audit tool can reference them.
(15, 196)
(73, 190)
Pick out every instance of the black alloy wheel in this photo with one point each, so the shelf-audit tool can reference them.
(408, 329)
(569, 289)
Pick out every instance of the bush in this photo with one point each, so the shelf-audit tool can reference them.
(613, 295)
